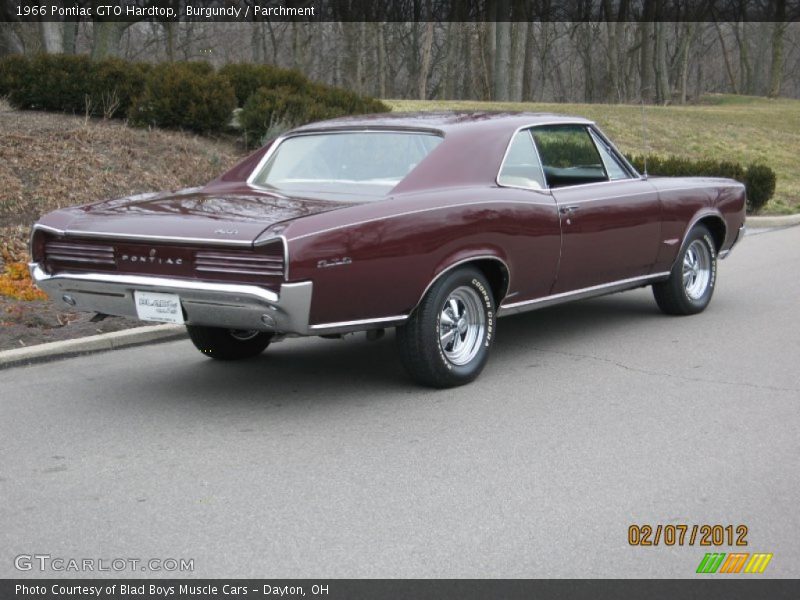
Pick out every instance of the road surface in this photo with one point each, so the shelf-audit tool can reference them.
(320, 459)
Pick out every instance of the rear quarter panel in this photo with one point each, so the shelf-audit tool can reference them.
(398, 246)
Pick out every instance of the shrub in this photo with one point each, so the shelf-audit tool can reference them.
(246, 78)
(187, 95)
(270, 112)
(52, 82)
(113, 79)
(760, 182)
(72, 83)
(12, 70)
(287, 99)
(349, 102)
(184, 96)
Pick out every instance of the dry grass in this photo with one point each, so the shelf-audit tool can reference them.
(49, 160)
(742, 129)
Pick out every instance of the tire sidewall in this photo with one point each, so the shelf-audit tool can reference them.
(696, 305)
(472, 278)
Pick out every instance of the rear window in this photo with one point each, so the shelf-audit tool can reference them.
(347, 163)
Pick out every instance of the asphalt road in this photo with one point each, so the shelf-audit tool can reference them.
(319, 459)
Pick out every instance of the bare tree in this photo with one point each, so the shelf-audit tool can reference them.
(776, 67)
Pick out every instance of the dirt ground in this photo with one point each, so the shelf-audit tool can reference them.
(51, 160)
(39, 321)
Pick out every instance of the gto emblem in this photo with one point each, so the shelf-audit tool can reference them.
(226, 231)
(334, 262)
(151, 258)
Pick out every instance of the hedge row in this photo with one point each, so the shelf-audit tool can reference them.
(185, 95)
(759, 179)
(274, 100)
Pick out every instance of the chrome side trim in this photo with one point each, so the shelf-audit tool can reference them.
(353, 326)
(589, 292)
(459, 263)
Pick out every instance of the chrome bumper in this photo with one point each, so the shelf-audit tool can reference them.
(212, 304)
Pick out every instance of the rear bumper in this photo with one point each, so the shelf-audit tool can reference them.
(232, 306)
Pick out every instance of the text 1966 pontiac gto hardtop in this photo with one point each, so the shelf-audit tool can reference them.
(435, 224)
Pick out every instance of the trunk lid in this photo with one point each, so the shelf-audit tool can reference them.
(234, 216)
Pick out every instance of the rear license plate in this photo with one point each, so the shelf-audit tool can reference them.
(155, 306)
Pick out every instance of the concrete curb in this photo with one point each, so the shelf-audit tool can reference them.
(776, 221)
(89, 344)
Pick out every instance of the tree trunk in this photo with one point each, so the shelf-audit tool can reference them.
(425, 66)
(776, 68)
(52, 37)
(502, 59)
(728, 68)
(527, 65)
(169, 42)
(10, 42)
(686, 44)
(106, 36)
(70, 36)
(745, 64)
(663, 91)
(380, 42)
(647, 87)
(519, 33)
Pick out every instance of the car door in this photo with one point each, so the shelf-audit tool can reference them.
(610, 217)
(536, 252)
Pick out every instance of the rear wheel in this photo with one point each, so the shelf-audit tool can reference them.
(446, 341)
(691, 283)
(228, 344)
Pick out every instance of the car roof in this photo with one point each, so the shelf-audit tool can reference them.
(443, 121)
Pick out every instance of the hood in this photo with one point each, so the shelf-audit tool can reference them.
(232, 216)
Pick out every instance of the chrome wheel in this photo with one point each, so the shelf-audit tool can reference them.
(696, 269)
(244, 334)
(462, 323)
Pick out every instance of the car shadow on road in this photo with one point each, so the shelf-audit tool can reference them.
(585, 318)
(362, 371)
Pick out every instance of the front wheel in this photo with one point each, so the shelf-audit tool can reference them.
(446, 340)
(691, 283)
(228, 344)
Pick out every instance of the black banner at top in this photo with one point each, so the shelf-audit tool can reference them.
(398, 10)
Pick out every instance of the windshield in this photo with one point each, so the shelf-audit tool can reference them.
(348, 163)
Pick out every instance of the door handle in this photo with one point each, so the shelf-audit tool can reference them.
(568, 210)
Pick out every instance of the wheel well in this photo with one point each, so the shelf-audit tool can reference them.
(717, 228)
(497, 275)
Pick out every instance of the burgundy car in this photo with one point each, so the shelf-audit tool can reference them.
(435, 224)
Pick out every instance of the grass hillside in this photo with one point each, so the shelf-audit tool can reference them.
(743, 129)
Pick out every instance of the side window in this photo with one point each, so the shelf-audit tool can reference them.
(521, 167)
(569, 155)
(614, 168)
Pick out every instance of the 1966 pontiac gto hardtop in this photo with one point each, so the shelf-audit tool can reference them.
(435, 224)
